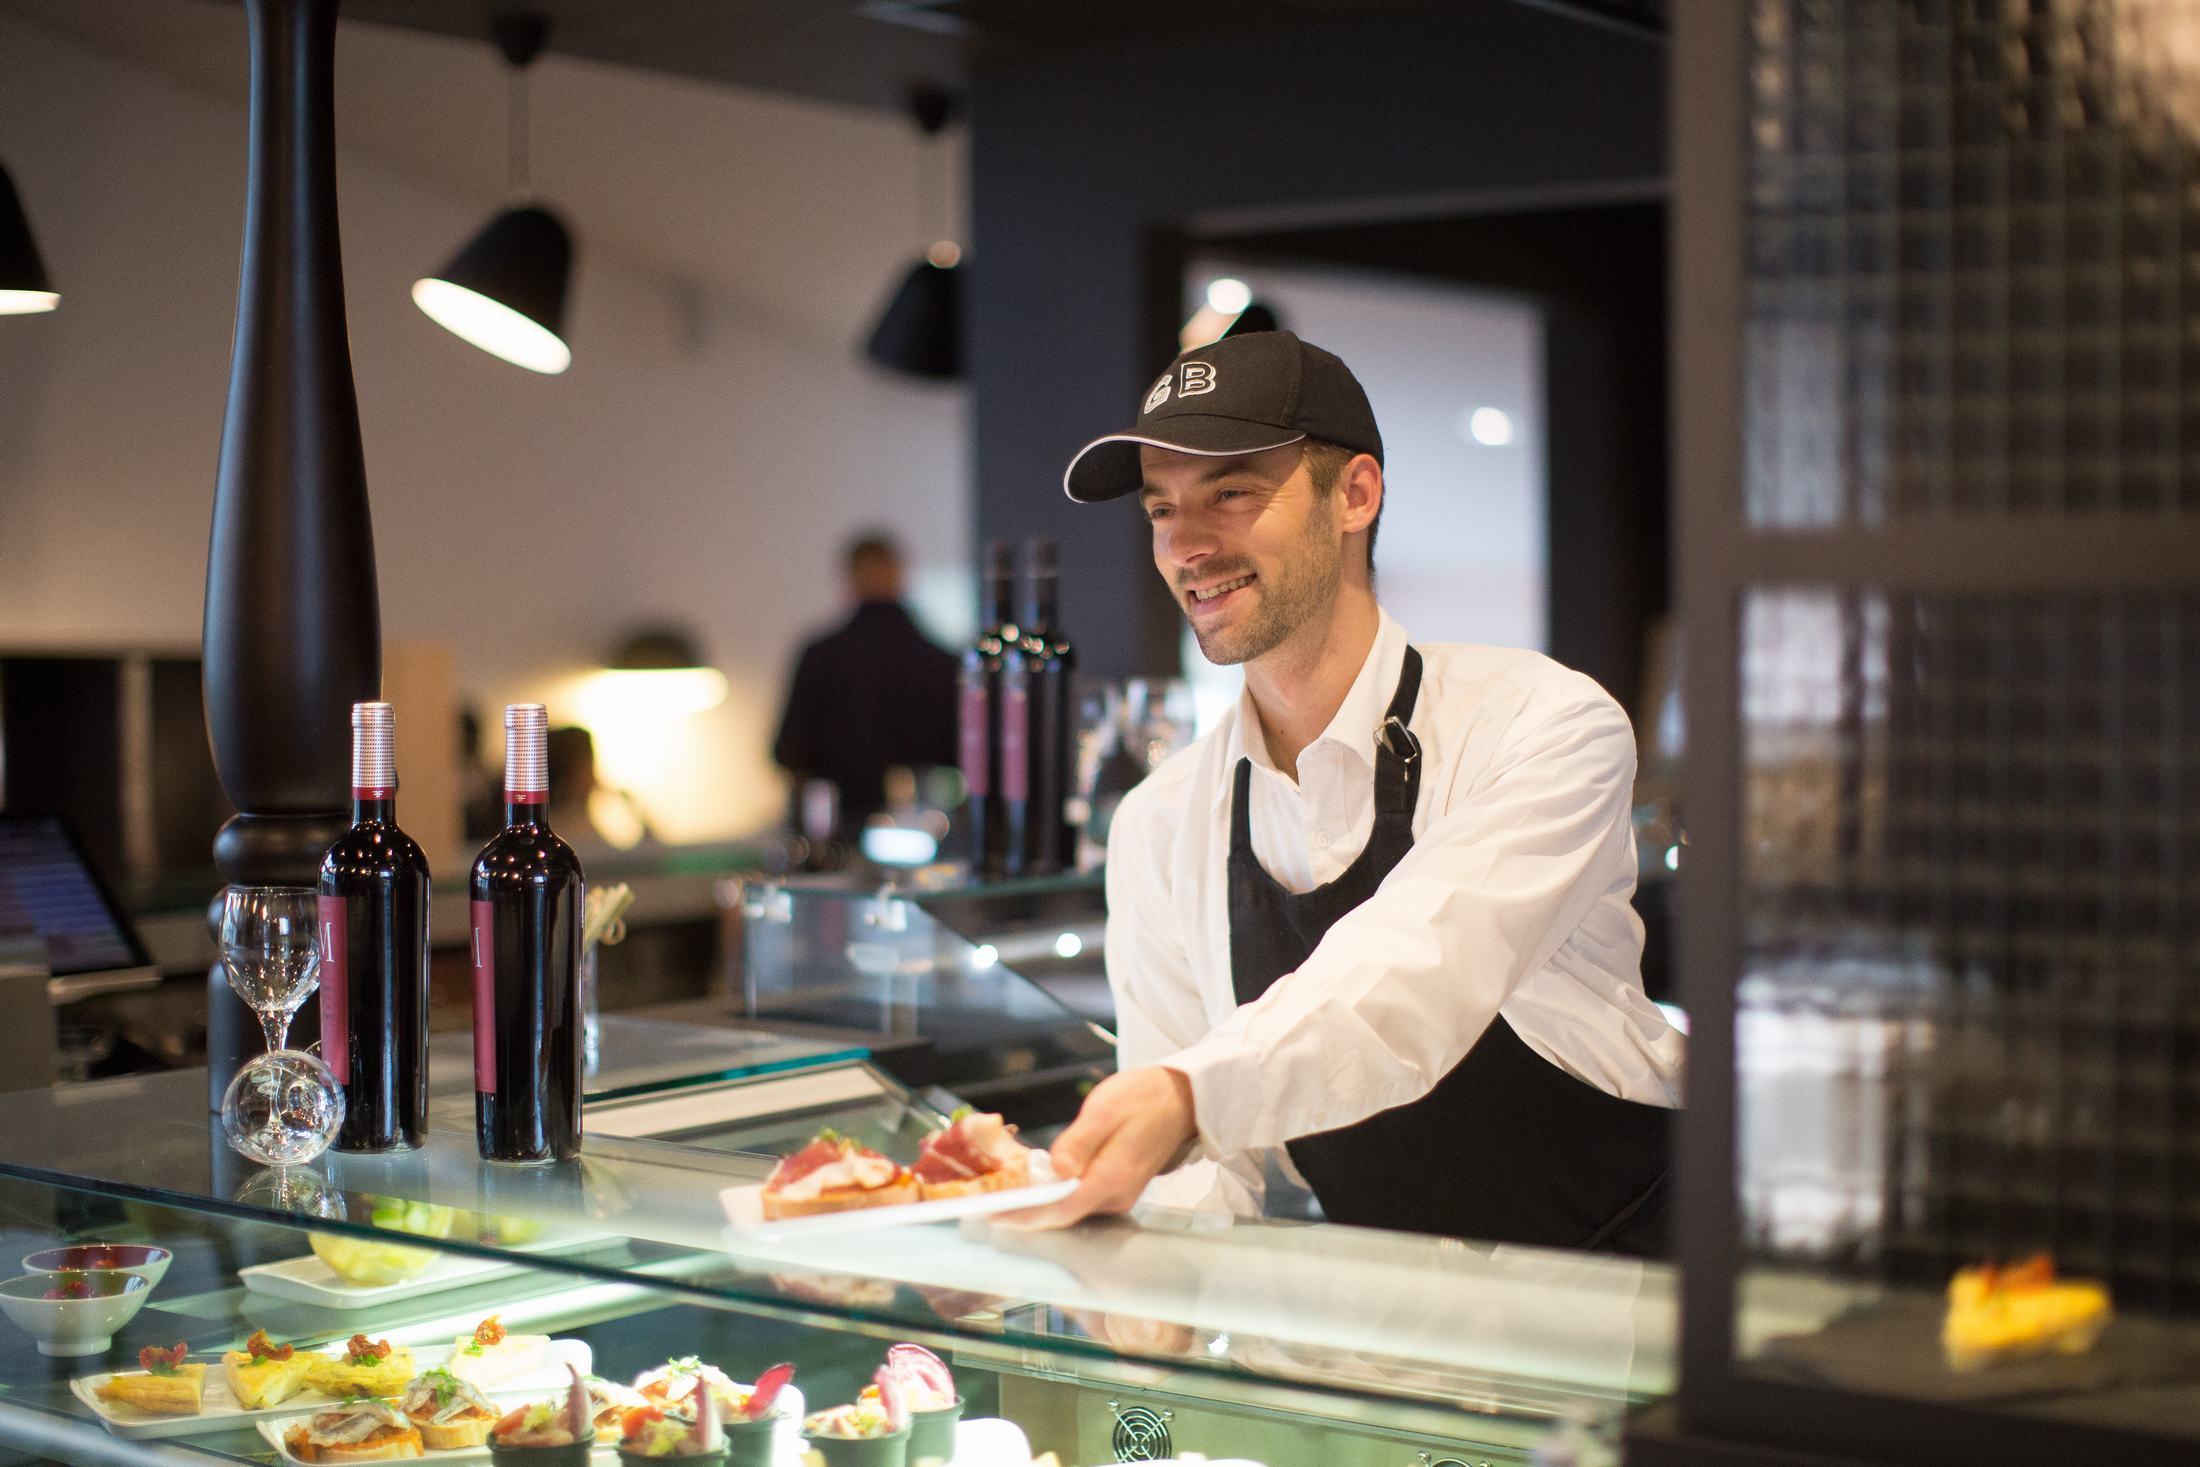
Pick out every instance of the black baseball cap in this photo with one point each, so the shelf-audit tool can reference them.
(1242, 394)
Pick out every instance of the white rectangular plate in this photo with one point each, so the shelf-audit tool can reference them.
(308, 1280)
(222, 1413)
(988, 1442)
(745, 1209)
(790, 1443)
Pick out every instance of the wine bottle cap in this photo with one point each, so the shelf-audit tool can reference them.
(527, 750)
(373, 750)
(1041, 556)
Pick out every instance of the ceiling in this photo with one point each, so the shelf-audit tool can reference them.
(865, 52)
(750, 147)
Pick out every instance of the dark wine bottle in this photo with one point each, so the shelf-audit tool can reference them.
(1046, 665)
(527, 888)
(374, 953)
(982, 664)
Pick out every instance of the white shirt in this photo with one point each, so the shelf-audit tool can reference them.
(1513, 900)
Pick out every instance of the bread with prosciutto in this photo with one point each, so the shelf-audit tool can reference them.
(835, 1174)
(978, 1152)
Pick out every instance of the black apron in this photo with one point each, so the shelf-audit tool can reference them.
(1508, 1148)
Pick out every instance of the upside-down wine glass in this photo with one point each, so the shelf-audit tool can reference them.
(284, 1106)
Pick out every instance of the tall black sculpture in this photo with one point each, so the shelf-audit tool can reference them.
(293, 628)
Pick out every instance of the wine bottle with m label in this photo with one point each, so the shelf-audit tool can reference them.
(526, 891)
(374, 953)
(1047, 664)
(982, 664)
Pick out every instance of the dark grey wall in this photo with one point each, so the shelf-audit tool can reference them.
(1086, 172)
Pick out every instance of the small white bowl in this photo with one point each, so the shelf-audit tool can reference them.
(145, 1259)
(74, 1326)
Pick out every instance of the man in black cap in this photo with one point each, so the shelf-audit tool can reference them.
(1372, 933)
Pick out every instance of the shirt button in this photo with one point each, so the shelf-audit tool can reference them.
(1321, 837)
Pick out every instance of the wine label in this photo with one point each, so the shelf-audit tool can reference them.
(1015, 739)
(335, 984)
(485, 998)
(976, 736)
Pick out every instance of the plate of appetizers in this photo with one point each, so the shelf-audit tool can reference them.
(973, 1167)
(171, 1394)
(681, 1409)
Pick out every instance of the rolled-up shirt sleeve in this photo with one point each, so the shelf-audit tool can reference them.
(1403, 986)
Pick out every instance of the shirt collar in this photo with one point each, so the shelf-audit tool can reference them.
(1353, 727)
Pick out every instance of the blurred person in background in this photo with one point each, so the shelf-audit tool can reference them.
(481, 788)
(870, 695)
(587, 814)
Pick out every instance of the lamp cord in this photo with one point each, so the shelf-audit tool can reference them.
(922, 173)
(515, 134)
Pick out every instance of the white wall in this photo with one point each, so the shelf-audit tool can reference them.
(702, 460)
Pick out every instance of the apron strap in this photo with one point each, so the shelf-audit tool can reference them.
(1241, 808)
(1397, 762)
(1397, 751)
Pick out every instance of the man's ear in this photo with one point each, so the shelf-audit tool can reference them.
(1361, 484)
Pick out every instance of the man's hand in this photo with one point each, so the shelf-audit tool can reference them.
(1130, 1127)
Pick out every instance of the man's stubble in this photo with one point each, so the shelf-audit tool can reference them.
(1304, 589)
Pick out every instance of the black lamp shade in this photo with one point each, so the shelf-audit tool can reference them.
(1255, 317)
(505, 291)
(920, 332)
(23, 284)
(654, 649)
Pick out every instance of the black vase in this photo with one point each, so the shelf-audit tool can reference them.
(293, 629)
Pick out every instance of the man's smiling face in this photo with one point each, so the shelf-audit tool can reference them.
(1250, 548)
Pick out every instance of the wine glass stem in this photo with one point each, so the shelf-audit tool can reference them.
(276, 1027)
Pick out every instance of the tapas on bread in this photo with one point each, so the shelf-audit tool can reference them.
(363, 1367)
(164, 1383)
(242, 1385)
(489, 1356)
(450, 1410)
(972, 1167)
(835, 1174)
(356, 1431)
(264, 1373)
(977, 1152)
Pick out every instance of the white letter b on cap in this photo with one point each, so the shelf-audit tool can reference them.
(1195, 378)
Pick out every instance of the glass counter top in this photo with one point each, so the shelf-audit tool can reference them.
(1402, 1322)
(650, 1055)
(885, 963)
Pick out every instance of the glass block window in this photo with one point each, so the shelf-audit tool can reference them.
(1968, 1025)
(1973, 256)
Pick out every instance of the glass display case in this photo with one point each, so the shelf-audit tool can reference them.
(1130, 1340)
(985, 992)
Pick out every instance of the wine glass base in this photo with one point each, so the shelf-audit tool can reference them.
(283, 1108)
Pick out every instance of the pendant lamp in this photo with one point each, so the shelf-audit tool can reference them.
(920, 331)
(24, 288)
(505, 290)
(1226, 308)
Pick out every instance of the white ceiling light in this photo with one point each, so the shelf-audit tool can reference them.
(1228, 296)
(1488, 426)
